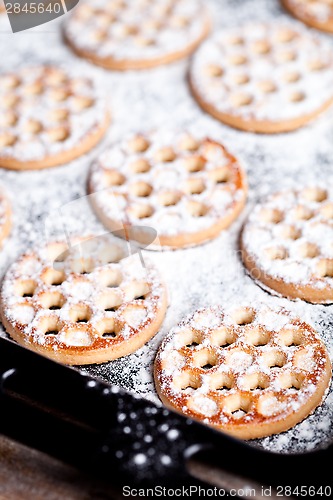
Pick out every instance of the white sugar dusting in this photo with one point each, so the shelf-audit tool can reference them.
(197, 277)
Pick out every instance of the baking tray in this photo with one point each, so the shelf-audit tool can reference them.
(53, 202)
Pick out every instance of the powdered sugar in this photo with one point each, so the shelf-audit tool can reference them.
(196, 277)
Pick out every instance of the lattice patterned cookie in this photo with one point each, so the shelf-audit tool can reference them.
(48, 117)
(264, 77)
(287, 244)
(315, 13)
(5, 216)
(126, 34)
(249, 371)
(89, 304)
(187, 189)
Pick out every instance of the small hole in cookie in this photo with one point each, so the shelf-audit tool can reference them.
(137, 290)
(59, 134)
(54, 76)
(26, 288)
(214, 70)
(113, 178)
(317, 195)
(257, 336)
(59, 115)
(308, 251)
(9, 101)
(240, 100)
(326, 211)
(138, 144)
(285, 36)
(205, 359)
(7, 140)
(317, 65)
(110, 301)
(195, 186)
(33, 127)
(169, 198)
(140, 166)
(165, 155)
(325, 268)
(297, 97)
(52, 300)
(274, 359)
(221, 382)
(236, 405)
(80, 314)
(292, 77)
(189, 143)
(284, 57)
(220, 175)
(223, 337)
(141, 189)
(59, 95)
(238, 60)
(276, 253)
(243, 316)
(255, 381)
(179, 21)
(50, 325)
(194, 163)
(82, 103)
(106, 328)
(261, 47)
(53, 277)
(197, 209)
(187, 380)
(236, 41)
(290, 381)
(267, 87)
(302, 212)
(188, 338)
(110, 278)
(82, 265)
(145, 41)
(241, 79)
(140, 211)
(35, 88)
(290, 232)
(8, 119)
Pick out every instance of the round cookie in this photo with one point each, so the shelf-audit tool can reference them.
(5, 216)
(134, 35)
(185, 188)
(265, 78)
(248, 371)
(316, 13)
(48, 117)
(88, 304)
(287, 245)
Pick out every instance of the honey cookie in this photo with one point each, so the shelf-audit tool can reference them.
(287, 244)
(187, 189)
(48, 117)
(5, 216)
(248, 371)
(127, 35)
(264, 78)
(316, 13)
(88, 304)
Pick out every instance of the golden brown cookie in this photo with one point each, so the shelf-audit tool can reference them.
(187, 189)
(287, 244)
(140, 34)
(88, 304)
(264, 78)
(48, 117)
(316, 13)
(248, 371)
(5, 216)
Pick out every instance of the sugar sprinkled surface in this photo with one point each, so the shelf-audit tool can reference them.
(197, 277)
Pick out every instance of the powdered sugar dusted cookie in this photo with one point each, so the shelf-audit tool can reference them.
(287, 243)
(315, 13)
(250, 371)
(88, 304)
(263, 77)
(187, 189)
(5, 216)
(48, 117)
(126, 34)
